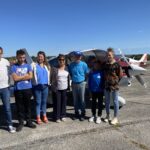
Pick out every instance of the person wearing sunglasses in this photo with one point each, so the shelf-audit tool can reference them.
(59, 84)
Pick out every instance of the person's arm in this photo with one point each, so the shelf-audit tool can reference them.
(69, 70)
(89, 81)
(102, 80)
(86, 71)
(119, 72)
(28, 76)
(19, 78)
(16, 77)
(68, 79)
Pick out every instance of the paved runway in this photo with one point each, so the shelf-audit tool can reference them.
(131, 134)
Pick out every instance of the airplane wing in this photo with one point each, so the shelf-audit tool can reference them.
(141, 80)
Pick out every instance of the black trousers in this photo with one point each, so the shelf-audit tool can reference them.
(23, 104)
(95, 96)
(59, 104)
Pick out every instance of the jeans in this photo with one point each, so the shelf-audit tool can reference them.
(59, 104)
(95, 96)
(41, 95)
(78, 90)
(108, 97)
(23, 98)
(5, 96)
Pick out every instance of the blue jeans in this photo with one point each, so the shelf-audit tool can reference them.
(108, 97)
(5, 96)
(78, 90)
(41, 95)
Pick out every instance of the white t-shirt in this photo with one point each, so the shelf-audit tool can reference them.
(4, 73)
(62, 81)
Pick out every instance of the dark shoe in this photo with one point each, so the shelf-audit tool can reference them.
(19, 128)
(82, 118)
(30, 124)
(76, 116)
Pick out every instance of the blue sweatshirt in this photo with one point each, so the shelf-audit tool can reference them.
(96, 81)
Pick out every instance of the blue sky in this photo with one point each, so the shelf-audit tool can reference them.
(59, 26)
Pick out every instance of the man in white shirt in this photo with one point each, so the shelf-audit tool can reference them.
(4, 90)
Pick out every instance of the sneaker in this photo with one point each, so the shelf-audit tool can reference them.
(45, 120)
(114, 121)
(92, 119)
(30, 124)
(107, 119)
(58, 121)
(98, 120)
(11, 129)
(63, 119)
(19, 128)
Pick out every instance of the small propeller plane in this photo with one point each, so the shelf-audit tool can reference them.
(142, 62)
(131, 70)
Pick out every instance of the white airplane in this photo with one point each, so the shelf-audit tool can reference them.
(142, 62)
(131, 70)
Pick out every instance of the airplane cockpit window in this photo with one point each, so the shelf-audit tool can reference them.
(123, 59)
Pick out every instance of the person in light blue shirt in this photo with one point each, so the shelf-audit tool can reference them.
(78, 71)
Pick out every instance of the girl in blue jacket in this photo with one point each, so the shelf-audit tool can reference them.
(96, 87)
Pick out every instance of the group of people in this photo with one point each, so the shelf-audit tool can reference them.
(38, 78)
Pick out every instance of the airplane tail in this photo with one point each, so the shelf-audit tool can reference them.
(143, 58)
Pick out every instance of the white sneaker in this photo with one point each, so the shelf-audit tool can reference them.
(92, 119)
(63, 119)
(114, 121)
(98, 120)
(107, 119)
(11, 129)
(58, 121)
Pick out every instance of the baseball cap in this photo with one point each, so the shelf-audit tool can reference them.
(77, 53)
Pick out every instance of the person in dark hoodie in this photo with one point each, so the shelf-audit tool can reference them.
(60, 82)
(96, 87)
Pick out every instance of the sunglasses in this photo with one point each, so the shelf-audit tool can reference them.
(61, 59)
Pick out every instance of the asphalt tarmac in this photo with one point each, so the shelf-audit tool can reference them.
(132, 133)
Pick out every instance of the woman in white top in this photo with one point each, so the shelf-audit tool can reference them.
(59, 86)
